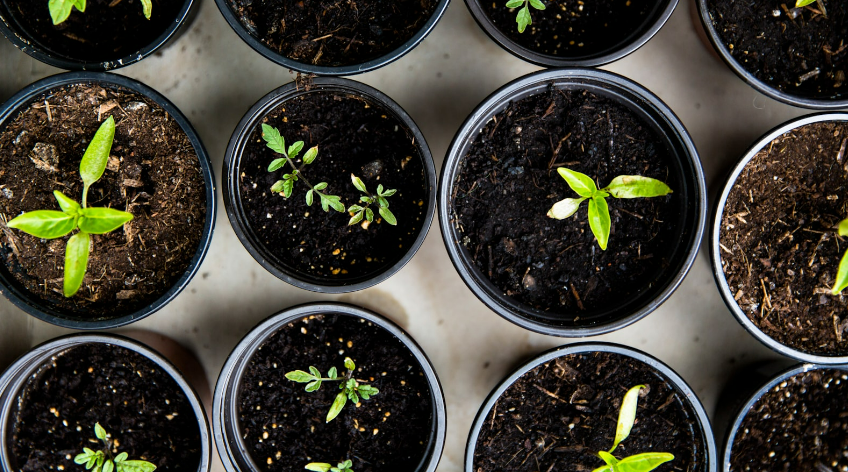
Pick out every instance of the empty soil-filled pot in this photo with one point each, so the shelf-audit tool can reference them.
(306, 238)
(795, 55)
(53, 396)
(108, 35)
(332, 37)
(774, 247)
(568, 34)
(265, 421)
(559, 410)
(157, 170)
(500, 179)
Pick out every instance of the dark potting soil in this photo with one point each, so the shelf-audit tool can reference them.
(574, 29)
(800, 424)
(333, 32)
(353, 135)
(779, 252)
(560, 414)
(508, 181)
(106, 31)
(804, 55)
(153, 173)
(284, 427)
(143, 409)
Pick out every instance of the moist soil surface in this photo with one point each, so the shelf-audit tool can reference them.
(560, 414)
(779, 252)
(573, 29)
(800, 424)
(285, 428)
(508, 181)
(143, 409)
(333, 32)
(106, 31)
(797, 51)
(354, 136)
(153, 173)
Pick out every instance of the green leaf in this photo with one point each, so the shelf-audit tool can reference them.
(523, 19)
(109, 466)
(626, 415)
(842, 229)
(356, 218)
(313, 386)
(332, 201)
(295, 149)
(80, 4)
(367, 200)
(599, 220)
(103, 220)
(388, 216)
(274, 140)
(333, 373)
(84, 457)
(276, 164)
(99, 432)
(514, 3)
(76, 262)
(147, 8)
(96, 155)
(580, 183)
(537, 4)
(346, 464)
(841, 275)
(336, 408)
(354, 209)
(636, 186)
(351, 394)
(318, 467)
(278, 186)
(357, 182)
(136, 466)
(382, 202)
(321, 186)
(309, 197)
(314, 371)
(643, 462)
(565, 208)
(68, 205)
(389, 193)
(367, 391)
(44, 224)
(121, 457)
(288, 187)
(349, 365)
(803, 3)
(60, 10)
(369, 214)
(310, 155)
(300, 376)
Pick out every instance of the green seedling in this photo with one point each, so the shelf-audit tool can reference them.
(623, 186)
(285, 187)
(351, 388)
(358, 211)
(322, 467)
(52, 224)
(803, 3)
(103, 461)
(842, 273)
(60, 10)
(644, 462)
(523, 19)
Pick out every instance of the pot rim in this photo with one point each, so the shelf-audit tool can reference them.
(34, 306)
(225, 397)
(232, 163)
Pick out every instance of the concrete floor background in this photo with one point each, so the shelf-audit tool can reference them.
(213, 77)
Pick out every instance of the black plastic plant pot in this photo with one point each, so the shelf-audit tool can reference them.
(578, 388)
(719, 213)
(611, 92)
(331, 104)
(324, 334)
(80, 44)
(77, 316)
(617, 42)
(275, 54)
(149, 388)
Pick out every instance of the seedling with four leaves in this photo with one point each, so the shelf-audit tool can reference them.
(324, 467)
(842, 273)
(358, 211)
(351, 388)
(60, 10)
(103, 461)
(523, 19)
(623, 186)
(52, 224)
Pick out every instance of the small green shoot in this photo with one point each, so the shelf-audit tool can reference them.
(103, 461)
(351, 388)
(842, 273)
(523, 19)
(623, 186)
(52, 224)
(285, 187)
(644, 462)
(60, 10)
(358, 212)
(803, 3)
(323, 467)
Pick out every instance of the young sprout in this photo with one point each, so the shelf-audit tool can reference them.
(277, 144)
(644, 462)
(60, 10)
(52, 224)
(323, 467)
(358, 211)
(523, 19)
(842, 273)
(103, 461)
(623, 186)
(350, 388)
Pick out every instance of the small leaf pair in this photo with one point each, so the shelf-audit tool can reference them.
(60, 10)
(358, 212)
(102, 461)
(350, 388)
(323, 467)
(523, 19)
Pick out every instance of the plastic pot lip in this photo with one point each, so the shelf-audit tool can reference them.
(715, 233)
(546, 60)
(224, 400)
(35, 51)
(650, 104)
(353, 69)
(232, 161)
(672, 378)
(33, 305)
(757, 84)
(17, 373)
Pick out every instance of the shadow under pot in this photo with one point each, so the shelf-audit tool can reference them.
(305, 218)
(502, 177)
(559, 410)
(157, 171)
(264, 419)
(348, 38)
(53, 396)
(774, 247)
(108, 35)
(794, 55)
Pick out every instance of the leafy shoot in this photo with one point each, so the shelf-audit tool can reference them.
(60, 10)
(103, 461)
(350, 388)
(523, 19)
(358, 212)
(842, 273)
(323, 467)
